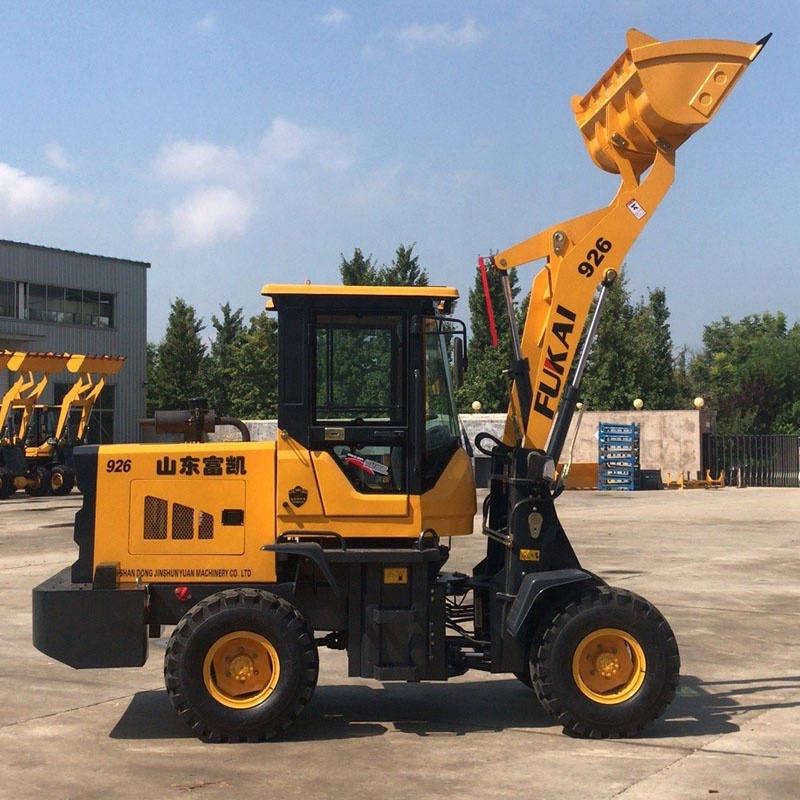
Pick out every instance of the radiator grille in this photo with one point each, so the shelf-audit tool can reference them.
(206, 527)
(182, 522)
(155, 518)
(183, 519)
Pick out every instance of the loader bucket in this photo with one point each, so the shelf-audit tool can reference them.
(100, 365)
(46, 363)
(5, 357)
(656, 95)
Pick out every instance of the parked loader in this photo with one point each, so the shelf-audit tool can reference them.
(337, 533)
(17, 411)
(55, 431)
(38, 439)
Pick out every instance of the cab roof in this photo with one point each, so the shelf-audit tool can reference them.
(434, 293)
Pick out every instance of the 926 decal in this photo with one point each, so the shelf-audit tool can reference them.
(594, 258)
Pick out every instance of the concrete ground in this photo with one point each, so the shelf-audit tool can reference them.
(722, 565)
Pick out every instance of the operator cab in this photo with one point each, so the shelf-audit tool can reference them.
(365, 376)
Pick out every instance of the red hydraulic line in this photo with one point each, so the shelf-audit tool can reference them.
(487, 296)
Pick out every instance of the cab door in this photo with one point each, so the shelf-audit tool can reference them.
(359, 432)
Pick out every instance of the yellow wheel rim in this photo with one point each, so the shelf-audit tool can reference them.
(241, 669)
(609, 666)
(57, 480)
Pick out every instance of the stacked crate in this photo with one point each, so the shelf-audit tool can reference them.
(618, 456)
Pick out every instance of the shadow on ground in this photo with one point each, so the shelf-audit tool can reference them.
(466, 708)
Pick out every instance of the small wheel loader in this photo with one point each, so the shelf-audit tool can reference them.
(337, 534)
(38, 440)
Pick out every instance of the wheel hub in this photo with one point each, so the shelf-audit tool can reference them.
(241, 669)
(242, 666)
(609, 666)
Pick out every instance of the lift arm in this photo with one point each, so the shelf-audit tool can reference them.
(92, 373)
(35, 370)
(651, 100)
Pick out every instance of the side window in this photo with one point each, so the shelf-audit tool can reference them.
(360, 390)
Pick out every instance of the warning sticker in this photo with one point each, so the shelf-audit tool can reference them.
(635, 209)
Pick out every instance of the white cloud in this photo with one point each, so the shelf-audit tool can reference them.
(205, 24)
(57, 158)
(286, 142)
(209, 214)
(26, 194)
(188, 162)
(440, 35)
(220, 189)
(334, 17)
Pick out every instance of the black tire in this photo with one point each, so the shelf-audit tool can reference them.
(38, 482)
(62, 480)
(270, 651)
(7, 486)
(606, 665)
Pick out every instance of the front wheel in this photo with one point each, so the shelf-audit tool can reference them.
(62, 480)
(240, 666)
(606, 665)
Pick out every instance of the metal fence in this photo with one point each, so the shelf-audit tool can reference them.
(753, 460)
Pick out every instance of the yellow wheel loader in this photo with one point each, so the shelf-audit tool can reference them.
(337, 534)
(38, 440)
(19, 413)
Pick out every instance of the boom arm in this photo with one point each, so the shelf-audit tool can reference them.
(84, 392)
(651, 100)
(35, 369)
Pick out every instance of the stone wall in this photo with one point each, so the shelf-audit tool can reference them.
(670, 441)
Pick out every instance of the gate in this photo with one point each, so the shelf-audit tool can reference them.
(753, 460)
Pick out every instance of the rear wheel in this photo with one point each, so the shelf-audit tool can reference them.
(62, 480)
(606, 665)
(240, 666)
(38, 482)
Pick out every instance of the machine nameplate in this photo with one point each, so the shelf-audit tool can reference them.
(395, 575)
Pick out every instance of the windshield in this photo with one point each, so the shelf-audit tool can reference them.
(441, 420)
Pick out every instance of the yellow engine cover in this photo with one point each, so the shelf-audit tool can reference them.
(186, 512)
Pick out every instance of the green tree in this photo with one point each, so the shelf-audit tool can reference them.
(255, 384)
(749, 372)
(609, 382)
(359, 270)
(223, 361)
(655, 366)
(176, 365)
(404, 271)
(633, 353)
(485, 381)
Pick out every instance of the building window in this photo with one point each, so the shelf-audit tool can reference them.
(71, 306)
(8, 299)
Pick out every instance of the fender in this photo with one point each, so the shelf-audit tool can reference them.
(536, 584)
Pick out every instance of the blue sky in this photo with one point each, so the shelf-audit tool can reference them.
(239, 143)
